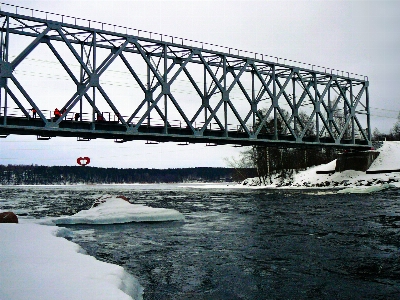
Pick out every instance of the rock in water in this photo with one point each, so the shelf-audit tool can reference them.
(8, 217)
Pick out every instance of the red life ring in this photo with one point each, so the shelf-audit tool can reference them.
(83, 161)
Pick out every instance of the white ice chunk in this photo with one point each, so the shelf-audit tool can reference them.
(365, 189)
(116, 210)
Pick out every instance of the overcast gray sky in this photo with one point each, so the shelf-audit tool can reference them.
(354, 36)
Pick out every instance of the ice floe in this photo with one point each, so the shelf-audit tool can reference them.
(114, 210)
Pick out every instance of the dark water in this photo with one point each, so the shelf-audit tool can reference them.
(241, 244)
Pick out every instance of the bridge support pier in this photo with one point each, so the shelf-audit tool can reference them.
(358, 161)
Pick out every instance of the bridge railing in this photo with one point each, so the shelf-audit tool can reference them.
(111, 117)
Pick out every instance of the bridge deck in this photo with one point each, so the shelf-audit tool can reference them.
(117, 131)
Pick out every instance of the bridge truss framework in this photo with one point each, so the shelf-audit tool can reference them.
(182, 93)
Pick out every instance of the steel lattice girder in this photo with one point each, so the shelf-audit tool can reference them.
(231, 98)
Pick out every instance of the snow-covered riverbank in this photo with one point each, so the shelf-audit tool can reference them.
(38, 262)
(385, 170)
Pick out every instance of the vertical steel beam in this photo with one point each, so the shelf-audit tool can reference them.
(345, 113)
(330, 112)
(366, 84)
(253, 102)
(225, 96)
(81, 84)
(165, 88)
(5, 59)
(274, 102)
(205, 103)
(149, 93)
(352, 112)
(5, 108)
(317, 107)
(94, 45)
(295, 113)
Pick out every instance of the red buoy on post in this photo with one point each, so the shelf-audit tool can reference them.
(83, 161)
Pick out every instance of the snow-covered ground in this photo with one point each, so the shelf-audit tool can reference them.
(354, 181)
(37, 263)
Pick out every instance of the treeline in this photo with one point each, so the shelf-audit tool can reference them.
(272, 161)
(393, 135)
(35, 175)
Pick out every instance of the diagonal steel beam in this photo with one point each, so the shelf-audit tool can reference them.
(215, 80)
(148, 62)
(150, 108)
(72, 49)
(28, 49)
(188, 123)
(292, 132)
(307, 125)
(28, 98)
(346, 100)
(62, 62)
(72, 76)
(20, 106)
(196, 87)
(132, 71)
(108, 61)
(348, 118)
(261, 79)
(284, 92)
(236, 78)
(264, 119)
(282, 88)
(237, 115)
(212, 115)
(115, 110)
(154, 104)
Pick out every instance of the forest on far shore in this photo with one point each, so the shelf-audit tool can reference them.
(37, 175)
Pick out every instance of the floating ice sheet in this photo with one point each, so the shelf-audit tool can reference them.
(116, 210)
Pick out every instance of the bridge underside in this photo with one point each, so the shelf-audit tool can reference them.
(126, 86)
(116, 131)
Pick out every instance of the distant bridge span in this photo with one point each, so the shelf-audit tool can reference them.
(119, 83)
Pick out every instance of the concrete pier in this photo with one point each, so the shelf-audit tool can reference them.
(358, 161)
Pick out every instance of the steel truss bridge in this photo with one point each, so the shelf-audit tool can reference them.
(120, 83)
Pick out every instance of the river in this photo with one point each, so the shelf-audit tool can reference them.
(239, 243)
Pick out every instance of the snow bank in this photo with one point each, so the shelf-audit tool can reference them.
(35, 264)
(115, 210)
(389, 157)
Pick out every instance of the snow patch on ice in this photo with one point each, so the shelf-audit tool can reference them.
(114, 210)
